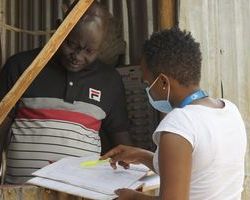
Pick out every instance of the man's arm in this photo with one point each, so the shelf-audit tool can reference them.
(116, 125)
(121, 138)
(4, 134)
(110, 140)
(8, 76)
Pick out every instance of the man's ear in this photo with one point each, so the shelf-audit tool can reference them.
(58, 22)
(64, 8)
(66, 5)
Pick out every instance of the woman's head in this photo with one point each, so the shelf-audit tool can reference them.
(171, 67)
(174, 53)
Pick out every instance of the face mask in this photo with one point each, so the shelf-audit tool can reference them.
(163, 106)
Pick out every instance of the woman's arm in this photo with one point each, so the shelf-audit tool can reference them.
(175, 163)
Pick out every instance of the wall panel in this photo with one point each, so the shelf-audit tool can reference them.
(138, 19)
(222, 28)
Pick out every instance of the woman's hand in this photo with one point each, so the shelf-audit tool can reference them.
(124, 155)
(128, 194)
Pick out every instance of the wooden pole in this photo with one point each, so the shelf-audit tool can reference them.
(42, 59)
(167, 13)
(2, 32)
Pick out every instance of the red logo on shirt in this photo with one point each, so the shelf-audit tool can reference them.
(95, 94)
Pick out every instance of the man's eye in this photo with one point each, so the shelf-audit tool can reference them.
(89, 50)
(71, 44)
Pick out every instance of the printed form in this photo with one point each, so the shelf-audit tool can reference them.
(97, 182)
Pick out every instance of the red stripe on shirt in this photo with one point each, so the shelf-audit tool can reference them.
(94, 92)
(75, 117)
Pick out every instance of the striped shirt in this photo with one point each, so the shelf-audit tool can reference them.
(62, 116)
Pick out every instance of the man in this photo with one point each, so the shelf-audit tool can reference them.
(69, 103)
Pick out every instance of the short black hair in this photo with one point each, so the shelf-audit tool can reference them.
(95, 10)
(174, 53)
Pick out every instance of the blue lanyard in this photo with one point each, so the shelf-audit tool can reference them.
(199, 94)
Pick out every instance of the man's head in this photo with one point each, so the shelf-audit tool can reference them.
(175, 54)
(82, 45)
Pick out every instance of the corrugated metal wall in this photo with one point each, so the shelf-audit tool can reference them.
(137, 25)
(28, 15)
(37, 15)
(222, 27)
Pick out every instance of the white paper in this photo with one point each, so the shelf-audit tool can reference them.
(150, 182)
(101, 178)
(70, 189)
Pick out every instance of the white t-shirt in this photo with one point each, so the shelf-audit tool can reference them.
(218, 138)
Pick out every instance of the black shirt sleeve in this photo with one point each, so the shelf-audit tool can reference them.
(13, 69)
(7, 77)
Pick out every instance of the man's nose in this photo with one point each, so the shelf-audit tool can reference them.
(79, 55)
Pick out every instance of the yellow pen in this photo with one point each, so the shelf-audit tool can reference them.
(93, 163)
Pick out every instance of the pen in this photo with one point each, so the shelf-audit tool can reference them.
(93, 163)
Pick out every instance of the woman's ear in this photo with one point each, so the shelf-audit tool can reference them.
(164, 80)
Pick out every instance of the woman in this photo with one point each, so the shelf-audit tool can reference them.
(201, 142)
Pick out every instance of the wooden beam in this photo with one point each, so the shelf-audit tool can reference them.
(42, 59)
(31, 192)
(167, 13)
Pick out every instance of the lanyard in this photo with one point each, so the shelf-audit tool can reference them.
(199, 94)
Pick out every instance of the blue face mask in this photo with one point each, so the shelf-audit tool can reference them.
(163, 106)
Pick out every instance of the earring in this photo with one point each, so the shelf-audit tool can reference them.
(163, 88)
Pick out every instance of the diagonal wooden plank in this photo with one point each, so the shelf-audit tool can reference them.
(42, 59)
